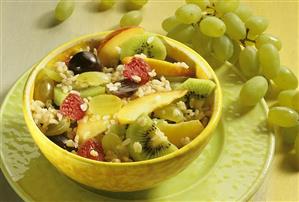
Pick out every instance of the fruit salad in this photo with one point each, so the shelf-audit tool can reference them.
(124, 98)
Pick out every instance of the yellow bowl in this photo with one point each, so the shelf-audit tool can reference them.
(131, 176)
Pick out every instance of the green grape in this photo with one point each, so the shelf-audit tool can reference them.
(248, 61)
(203, 4)
(236, 52)
(269, 60)
(132, 18)
(188, 14)
(170, 23)
(289, 134)
(267, 38)
(136, 4)
(44, 89)
(253, 91)
(110, 142)
(283, 117)
(201, 43)
(295, 101)
(212, 26)
(297, 151)
(64, 9)
(225, 6)
(256, 25)
(182, 33)
(285, 79)
(222, 48)
(285, 98)
(106, 4)
(243, 12)
(235, 28)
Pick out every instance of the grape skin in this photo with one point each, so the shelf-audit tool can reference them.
(235, 28)
(182, 33)
(248, 61)
(269, 60)
(222, 48)
(243, 12)
(106, 4)
(225, 6)
(285, 98)
(188, 14)
(256, 25)
(203, 4)
(295, 101)
(289, 134)
(267, 38)
(253, 91)
(136, 4)
(285, 79)
(212, 26)
(201, 43)
(169, 23)
(64, 9)
(283, 117)
(132, 18)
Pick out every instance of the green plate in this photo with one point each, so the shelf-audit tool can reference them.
(231, 167)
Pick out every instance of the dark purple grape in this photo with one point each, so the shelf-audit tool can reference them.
(84, 62)
(127, 88)
(60, 141)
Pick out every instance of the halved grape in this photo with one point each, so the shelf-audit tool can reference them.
(203, 4)
(188, 13)
(283, 116)
(285, 79)
(52, 74)
(212, 26)
(64, 9)
(253, 91)
(285, 98)
(92, 91)
(58, 129)
(87, 79)
(132, 18)
(248, 61)
(170, 112)
(225, 6)
(222, 48)
(243, 12)
(44, 90)
(269, 60)
(110, 142)
(256, 25)
(105, 105)
(267, 38)
(169, 23)
(182, 33)
(235, 28)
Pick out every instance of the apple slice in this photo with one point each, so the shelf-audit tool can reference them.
(145, 105)
(175, 132)
(164, 68)
(89, 128)
(108, 51)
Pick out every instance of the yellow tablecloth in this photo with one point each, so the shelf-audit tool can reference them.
(28, 24)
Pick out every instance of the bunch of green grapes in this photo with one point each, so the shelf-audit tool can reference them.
(227, 31)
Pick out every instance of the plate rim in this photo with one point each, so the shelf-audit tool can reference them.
(26, 197)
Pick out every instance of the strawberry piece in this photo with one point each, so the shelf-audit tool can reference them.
(91, 149)
(70, 107)
(137, 67)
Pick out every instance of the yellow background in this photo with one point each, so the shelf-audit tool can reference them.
(28, 32)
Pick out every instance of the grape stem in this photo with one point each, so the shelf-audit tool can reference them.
(243, 41)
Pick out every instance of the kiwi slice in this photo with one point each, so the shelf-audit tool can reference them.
(146, 44)
(152, 143)
(198, 91)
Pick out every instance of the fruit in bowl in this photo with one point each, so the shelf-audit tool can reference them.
(108, 109)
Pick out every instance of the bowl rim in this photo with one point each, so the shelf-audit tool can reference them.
(203, 136)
